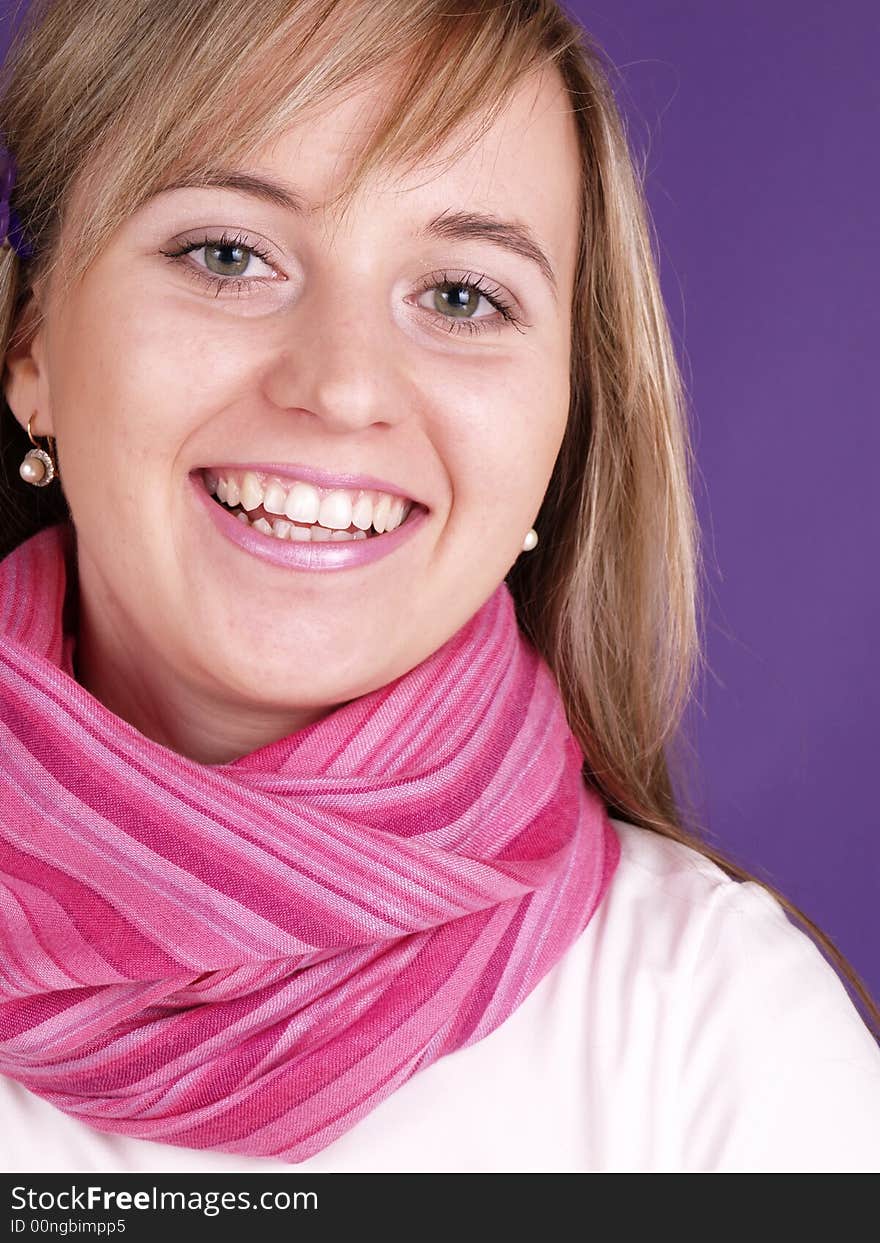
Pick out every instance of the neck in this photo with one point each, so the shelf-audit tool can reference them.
(118, 668)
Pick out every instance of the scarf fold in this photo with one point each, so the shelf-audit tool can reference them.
(251, 956)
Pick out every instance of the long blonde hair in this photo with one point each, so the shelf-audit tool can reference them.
(122, 97)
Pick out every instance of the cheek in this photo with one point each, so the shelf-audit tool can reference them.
(501, 438)
(133, 380)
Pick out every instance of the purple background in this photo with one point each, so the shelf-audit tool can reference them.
(760, 121)
(760, 125)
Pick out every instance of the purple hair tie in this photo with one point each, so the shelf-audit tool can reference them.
(10, 225)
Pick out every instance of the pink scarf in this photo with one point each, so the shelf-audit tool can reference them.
(251, 956)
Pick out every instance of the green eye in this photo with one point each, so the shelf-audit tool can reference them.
(461, 298)
(220, 255)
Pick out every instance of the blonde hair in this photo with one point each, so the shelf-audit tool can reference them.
(120, 98)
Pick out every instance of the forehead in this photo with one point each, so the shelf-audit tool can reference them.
(525, 165)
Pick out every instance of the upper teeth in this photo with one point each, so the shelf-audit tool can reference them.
(337, 508)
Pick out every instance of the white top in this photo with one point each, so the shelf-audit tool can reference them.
(690, 1028)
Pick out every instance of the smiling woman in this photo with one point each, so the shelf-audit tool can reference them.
(336, 354)
(346, 636)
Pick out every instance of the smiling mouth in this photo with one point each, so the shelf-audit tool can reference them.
(294, 529)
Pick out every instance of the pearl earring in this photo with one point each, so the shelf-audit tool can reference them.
(530, 540)
(38, 466)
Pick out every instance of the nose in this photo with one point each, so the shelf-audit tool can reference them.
(340, 359)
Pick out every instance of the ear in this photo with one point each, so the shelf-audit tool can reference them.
(25, 375)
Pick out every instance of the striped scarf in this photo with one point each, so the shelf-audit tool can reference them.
(251, 956)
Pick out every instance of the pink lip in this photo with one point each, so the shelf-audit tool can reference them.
(291, 555)
(311, 474)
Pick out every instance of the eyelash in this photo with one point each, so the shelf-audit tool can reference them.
(470, 280)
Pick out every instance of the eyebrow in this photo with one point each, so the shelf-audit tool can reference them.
(510, 235)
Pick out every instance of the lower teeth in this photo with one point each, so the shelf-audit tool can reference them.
(301, 535)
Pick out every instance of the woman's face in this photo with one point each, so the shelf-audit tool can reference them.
(334, 349)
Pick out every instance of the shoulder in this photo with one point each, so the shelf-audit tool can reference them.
(774, 1067)
(704, 918)
(666, 899)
